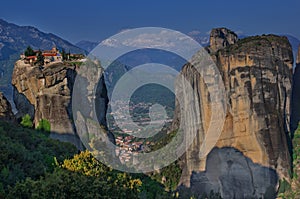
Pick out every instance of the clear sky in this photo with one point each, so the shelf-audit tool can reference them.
(96, 20)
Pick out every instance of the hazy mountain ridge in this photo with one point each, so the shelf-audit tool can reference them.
(201, 38)
(14, 38)
(87, 45)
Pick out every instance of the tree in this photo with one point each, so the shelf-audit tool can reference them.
(29, 52)
(64, 55)
(40, 58)
(28, 153)
(80, 177)
(26, 121)
(44, 125)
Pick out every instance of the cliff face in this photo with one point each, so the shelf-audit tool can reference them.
(14, 39)
(298, 56)
(46, 93)
(252, 151)
(5, 109)
(221, 38)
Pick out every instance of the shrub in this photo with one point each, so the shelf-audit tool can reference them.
(44, 125)
(26, 121)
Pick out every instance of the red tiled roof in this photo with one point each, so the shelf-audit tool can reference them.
(31, 57)
(49, 54)
(49, 51)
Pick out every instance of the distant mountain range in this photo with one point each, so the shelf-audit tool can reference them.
(14, 39)
(87, 45)
(200, 37)
(138, 57)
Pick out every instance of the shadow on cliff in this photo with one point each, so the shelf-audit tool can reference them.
(295, 104)
(232, 175)
(22, 104)
(70, 138)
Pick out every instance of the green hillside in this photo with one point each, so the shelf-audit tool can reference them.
(34, 166)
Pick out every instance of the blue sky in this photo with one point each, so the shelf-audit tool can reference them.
(96, 20)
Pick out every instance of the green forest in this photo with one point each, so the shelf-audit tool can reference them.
(32, 165)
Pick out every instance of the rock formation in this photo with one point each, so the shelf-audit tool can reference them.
(5, 109)
(46, 93)
(252, 151)
(14, 39)
(221, 38)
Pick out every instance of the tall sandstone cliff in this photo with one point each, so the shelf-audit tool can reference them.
(46, 93)
(221, 38)
(298, 56)
(251, 154)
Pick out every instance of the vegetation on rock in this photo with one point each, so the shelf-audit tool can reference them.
(44, 125)
(287, 190)
(169, 175)
(26, 121)
(256, 41)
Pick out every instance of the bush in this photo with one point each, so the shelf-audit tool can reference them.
(44, 125)
(26, 121)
